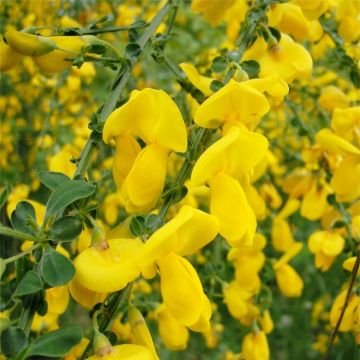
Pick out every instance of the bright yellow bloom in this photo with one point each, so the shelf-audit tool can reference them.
(346, 179)
(255, 346)
(190, 230)
(347, 13)
(326, 245)
(111, 269)
(289, 18)
(162, 124)
(233, 104)
(214, 11)
(349, 320)
(314, 8)
(346, 123)
(237, 300)
(281, 234)
(174, 335)
(8, 57)
(140, 173)
(235, 154)
(180, 285)
(200, 82)
(140, 330)
(332, 97)
(125, 352)
(287, 59)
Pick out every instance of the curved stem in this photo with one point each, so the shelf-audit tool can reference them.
(22, 254)
(346, 302)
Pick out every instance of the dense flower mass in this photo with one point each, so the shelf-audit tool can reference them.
(180, 179)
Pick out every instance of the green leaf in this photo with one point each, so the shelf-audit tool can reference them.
(56, 269)
(234, 56)
(56, 343)
(153, 222)
(133, 49)
(219, 64)
(13, 340)
(2, 266)
(52, 179)
(66, 228)
(67, 193)
(137, 225)
(3, 196)
(29, 284)
(216, 85)
(23, 218)
(252, 67)
(355, 77)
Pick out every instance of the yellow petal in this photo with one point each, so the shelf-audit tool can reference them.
(174, 335)
(287, 59)
(289, 281)
(127, 149)
(235, 102)
(83, 296)
(126, 352)
(162, 124)
(281, 234)
(55, 61)
(314, 202)
(200, 82)
(203, 323)
(57, 299)
(332, 97)
(255, 346)
(8, 57)
(180, 285)
(229, 204)
(333, 244)
(346, 179)
(236, 154)
(187, 232)
(293, 250)
(146, 178)
(213, 11)
(235, 299)
(334, 143)
(111, 269)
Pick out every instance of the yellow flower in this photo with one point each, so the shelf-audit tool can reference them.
(174, 335)
(314, 202)
(255, 346)
(281, 234)
(289, 18)
(346, 123)
(314, 8)
(332, 97)
(66, 47)
(347, 13)
(349, 320)
(125, 352)
(140, 330)
(237, 300)
(346, 179)
(140, 173)
(233, 104)
(190, 230)
(200, 82)
(8, 57)
(111, 269)
(214, 11)
(326, 245)
(180, 285)
(288, 280)
(287, 59)
(162, 124)
(29, 44)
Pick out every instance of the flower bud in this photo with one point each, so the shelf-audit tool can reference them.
(29, 44)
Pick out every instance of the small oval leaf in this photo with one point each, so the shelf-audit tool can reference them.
(52, 180)
(56, 269)
(66, 228)
(29, 284)
(56, 343)
(67, 193)
(13, 340)
(23, 218)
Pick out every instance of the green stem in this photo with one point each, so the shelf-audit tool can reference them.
(110, 103)
(16, 234)
(112, 29)
(22, 254)
(354, 274)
